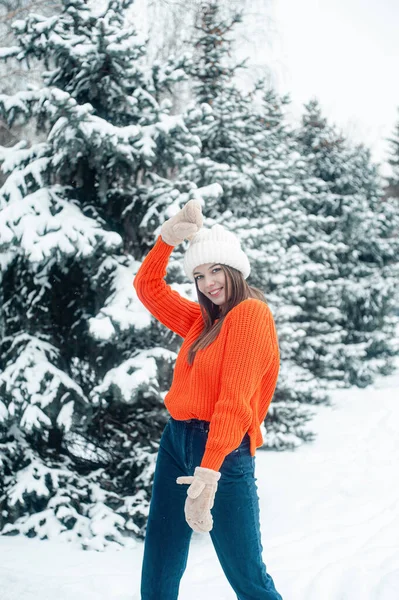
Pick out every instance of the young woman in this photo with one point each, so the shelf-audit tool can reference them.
(224, 379)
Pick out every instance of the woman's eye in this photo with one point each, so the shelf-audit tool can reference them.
(215, 269)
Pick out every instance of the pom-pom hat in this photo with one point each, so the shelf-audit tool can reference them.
(215, 245)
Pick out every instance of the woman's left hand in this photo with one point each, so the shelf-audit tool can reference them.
(200, 498)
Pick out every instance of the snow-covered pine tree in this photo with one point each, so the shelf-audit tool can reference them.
(272, 234)
(347, 304)
(13, 75)
(393, 160)
(83, 367)
(246, 149)
(227, 129)
(392, 189)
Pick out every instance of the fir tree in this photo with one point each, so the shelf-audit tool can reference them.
(324, 248)
(83, 366)
(348, 301)
(392, 191)
(213, 67)
(393, 161)
(272, 234)
(227, 130)
(246, 148)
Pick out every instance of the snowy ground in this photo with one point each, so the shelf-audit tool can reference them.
(330, 522)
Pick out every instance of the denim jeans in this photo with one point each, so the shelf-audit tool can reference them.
(236, 528)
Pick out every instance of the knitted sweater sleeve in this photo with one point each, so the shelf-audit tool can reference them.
(251, 354)
(166, 305)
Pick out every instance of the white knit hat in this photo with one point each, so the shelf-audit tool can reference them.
(216, 245)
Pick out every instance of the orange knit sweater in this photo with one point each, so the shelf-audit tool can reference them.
(232, 381)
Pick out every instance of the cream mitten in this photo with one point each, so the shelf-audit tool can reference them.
(200, 498)
(185, 224)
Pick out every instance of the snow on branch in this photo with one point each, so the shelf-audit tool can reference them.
(32, 375)
(125, 382)
(46, 225)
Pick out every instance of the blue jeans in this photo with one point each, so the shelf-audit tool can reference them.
(236, 528)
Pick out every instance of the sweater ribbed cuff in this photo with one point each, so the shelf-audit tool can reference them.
(213, 459)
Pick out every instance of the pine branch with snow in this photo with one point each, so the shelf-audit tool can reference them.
(81, 386)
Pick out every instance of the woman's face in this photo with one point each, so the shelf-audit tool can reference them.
(211, 281)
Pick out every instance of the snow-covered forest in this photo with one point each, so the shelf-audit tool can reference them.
(109, 125)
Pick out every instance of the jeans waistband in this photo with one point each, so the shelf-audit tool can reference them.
(195, 423)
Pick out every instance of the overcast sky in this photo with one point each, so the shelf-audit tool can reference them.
(344, 52)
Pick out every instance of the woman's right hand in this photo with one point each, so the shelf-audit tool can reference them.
(185, 224)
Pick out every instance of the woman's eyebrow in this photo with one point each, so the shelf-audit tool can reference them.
(209, 268)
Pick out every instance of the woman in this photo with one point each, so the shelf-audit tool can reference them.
(224, 379)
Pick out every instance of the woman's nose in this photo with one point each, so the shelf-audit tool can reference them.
(211, 282)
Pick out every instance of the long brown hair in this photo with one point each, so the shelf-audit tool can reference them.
(240, 290)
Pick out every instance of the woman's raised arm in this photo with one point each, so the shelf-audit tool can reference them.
(166, 305)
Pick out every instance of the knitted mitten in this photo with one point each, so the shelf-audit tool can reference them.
(200, 498)
(185, 224)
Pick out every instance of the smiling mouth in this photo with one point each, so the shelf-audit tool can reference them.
(216, 292)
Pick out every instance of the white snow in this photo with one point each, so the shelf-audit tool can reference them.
(3, 413)
(121, 310)
(34, 418)
(9, 52)
(126, 379)
(329, 513)
(65, 416)
(40, 232)
(38, 378)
